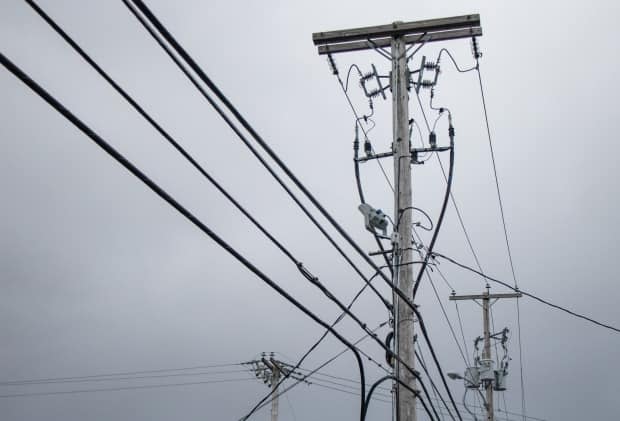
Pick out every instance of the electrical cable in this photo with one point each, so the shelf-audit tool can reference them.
(436, 360)
(572, 313)
(360, 192)
(118, 389)
(265, 147)
(359, 72)
(298, 263)
(265, 402)
(454, 61)
(261, 142)
(357, 119)
(170, 200)
(420, 359)
(501, 208)
(394, 378)
(157, 127)
(108, 379)
(442, 212)
(198, 70)
(310, 350)
(115, 374)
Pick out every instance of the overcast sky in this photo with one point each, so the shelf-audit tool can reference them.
(101, 276)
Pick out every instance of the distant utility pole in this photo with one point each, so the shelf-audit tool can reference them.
(397, 36)
(270, 371)
(491, 379)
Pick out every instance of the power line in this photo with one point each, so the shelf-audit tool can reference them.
(118, 389)
(314, 280)
(122, 373)
(116, 378)
(264, 401)
(243, 138)
(501, 208)
(170, 200)
(202, 75)
(572, 313)
(155, 125)
(307, 353)
(357, 119)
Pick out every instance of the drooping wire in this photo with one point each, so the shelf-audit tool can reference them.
(114, 374)
(286, 375)
(119, 389)
(528, 294)
(266, 400)
(444, 50)
(109, 378)
(314, 280)
(99, 141)
(501, 208)
(420, 358)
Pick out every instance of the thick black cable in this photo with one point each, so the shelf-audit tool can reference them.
(324, 364)
(157, 127)
(196, 68)
(82, 53)
(572, 313)
(115, 374)
(188, 59)
(310, 350)
(436, 360)
(441, 215)
(250, 147)
(403, 384)
(433, 385)
(182, 210)
(314, 280)
(444, 50)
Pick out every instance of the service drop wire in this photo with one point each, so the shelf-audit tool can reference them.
(249, 145)
(182, 210)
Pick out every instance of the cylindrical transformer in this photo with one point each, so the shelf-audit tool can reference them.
(472, 378)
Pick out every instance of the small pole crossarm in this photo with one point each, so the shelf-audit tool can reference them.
(439, 149)
(485, 296)
(375, 156)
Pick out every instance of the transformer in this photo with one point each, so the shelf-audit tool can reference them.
(472, 378)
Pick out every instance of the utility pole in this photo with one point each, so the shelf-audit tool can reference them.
(397, 36)
(403, 252)
(270, 371)
(275, 378)
(489, 376)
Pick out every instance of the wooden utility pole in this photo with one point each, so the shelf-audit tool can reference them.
(487, 359)
(403, 252)
(275, 379)
(397, 36)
